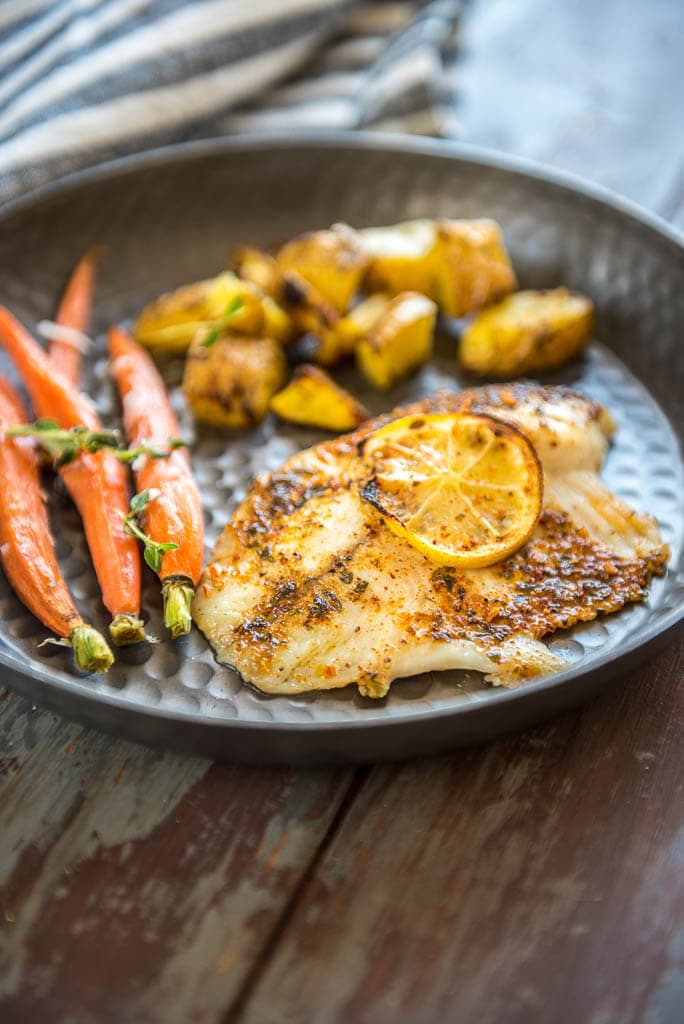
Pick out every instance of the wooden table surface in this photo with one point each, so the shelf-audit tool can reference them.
(539, 878)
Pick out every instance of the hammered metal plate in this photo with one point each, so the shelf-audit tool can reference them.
(173, 217)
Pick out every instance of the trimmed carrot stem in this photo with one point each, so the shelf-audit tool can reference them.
(96, 481)
(27, 548)
(175, 514)
(91, 650)
(126, 629)
(74, 311)
(177, 595)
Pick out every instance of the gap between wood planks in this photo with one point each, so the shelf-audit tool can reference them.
(535, 870)
(261, 961)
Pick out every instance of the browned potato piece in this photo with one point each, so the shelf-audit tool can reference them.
(168, 325)
(333, 344)
(310, 313)
(230, 382)
(259, 268)
(402, 257)
(398, 341)
(262, 271)
(461, 264)
(472, 267)
(362, 317)
(329, 346)
(277, 324)
(331, 261)
(313, 399)
(527, 332)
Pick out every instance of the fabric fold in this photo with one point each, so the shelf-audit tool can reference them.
(90, 80)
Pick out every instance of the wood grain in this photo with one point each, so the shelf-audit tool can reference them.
(137, 885)
(592, 88)
(541, 877)
(537, 879)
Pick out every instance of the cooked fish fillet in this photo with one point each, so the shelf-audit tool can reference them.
(307, 589)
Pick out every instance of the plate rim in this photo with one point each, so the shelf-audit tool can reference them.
(312, 139)
(389, 142)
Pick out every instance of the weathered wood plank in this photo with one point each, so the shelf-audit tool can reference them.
(137, 885)
(593, 88)
(537, 879)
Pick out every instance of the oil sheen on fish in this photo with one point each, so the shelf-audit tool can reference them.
(307, 589)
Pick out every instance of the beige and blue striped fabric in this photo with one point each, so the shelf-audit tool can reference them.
(82, 81)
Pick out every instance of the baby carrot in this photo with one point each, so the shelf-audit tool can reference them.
(74, 312)
(95, 480)
(27, 549)
(174, 513)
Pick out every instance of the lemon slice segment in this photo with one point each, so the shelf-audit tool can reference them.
(465, 489)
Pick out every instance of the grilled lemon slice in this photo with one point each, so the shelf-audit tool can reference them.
(465, 489)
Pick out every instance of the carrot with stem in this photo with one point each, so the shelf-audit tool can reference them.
(27, 548)
(73, 313)
(167, 493)
(95, 480)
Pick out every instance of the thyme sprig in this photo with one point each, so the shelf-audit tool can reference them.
(153, 551)
(212, 335)
(63, 445)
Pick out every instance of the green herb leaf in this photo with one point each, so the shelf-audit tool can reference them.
(140, 501)
(153, 551)
(233, 307)
(153, 557)
(63, 446)
(210, 337)
(131, 454)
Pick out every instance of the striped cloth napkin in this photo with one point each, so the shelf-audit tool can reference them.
(83, 81)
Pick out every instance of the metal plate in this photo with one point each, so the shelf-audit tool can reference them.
(173, 217)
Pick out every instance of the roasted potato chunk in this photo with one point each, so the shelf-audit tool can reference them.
(168, 325)
(262, 272)
(398, 341)
(277, 324)
(332, 262)
(313, 399)
(230, 381)
(362, 317)
(401, 257)
(460, 264)
(472, 267)
(259, 268)
(311, 314)
(326, 348)
(333, 344)
(527, 332)
(310, 311)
